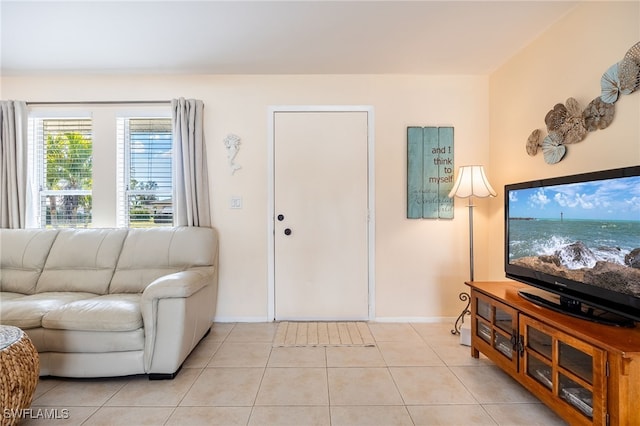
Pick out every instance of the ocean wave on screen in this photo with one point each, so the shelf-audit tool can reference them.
(577, 255)
(572, 254)
(611, 254)
(549, 246)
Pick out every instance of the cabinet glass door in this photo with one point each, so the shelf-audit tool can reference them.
(540, 371)
(495, 330)
(568, 369)
(504, 345)
(576, 378)
(576, 395)
(504, 320)
(483, 320)
(576, 361)
(484, 332)
(538, 354)
(483, 309)
(539, 342)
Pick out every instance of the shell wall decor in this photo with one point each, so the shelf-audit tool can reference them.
(568, 123)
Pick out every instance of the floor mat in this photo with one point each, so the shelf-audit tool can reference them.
(292, 334)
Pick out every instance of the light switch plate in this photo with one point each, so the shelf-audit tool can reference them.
(235, 202)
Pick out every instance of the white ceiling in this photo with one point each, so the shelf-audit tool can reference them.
(269, 37)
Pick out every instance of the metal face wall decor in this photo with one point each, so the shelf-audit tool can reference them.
(429, 172)
(568, 123)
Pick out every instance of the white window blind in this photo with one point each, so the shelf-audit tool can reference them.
(64, 157)
(145, 188)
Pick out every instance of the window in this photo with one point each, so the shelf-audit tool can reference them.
(65, 172)
(101, 167)
(146, 178)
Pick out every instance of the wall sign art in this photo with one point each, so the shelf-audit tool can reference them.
(430, 172)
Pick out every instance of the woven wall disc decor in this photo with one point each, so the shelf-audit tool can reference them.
(569, 124)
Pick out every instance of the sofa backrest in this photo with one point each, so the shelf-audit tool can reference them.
(23, 253)
(148, 254)
(82, 260)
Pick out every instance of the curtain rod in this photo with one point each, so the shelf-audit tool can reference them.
(98, 102)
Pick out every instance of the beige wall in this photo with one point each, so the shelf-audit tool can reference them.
(420, 264)
(568, 60)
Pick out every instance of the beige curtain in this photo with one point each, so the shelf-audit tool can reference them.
(13, 164)
(191, 181)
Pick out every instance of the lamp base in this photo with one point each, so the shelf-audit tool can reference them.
(465, 334)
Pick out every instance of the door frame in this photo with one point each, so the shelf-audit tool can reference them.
(272, 110)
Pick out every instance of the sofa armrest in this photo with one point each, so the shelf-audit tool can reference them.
(179, 285)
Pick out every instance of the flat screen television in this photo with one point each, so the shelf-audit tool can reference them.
(576, 241)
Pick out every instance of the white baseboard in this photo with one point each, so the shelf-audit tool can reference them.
(378, 319)
(241, 319)
(416, 319)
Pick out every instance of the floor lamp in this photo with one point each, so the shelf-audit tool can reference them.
(471, 182)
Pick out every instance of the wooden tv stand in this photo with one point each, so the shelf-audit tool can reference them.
(587, 373)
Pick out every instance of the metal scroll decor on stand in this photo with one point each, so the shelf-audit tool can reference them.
(460, 320)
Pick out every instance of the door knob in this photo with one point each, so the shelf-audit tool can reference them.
(287, 231)
(280, 217)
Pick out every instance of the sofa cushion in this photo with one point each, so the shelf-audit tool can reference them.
(6, 295)
(113, 312)
(23, 253)
(78, 341)
(148, 254)
(82, 260)
(27, 311)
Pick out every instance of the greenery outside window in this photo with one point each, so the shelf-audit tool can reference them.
(101, 166)
(65, 157)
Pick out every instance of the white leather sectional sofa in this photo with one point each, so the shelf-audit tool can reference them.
(110, 302)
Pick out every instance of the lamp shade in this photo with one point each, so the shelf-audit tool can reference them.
(472, 182)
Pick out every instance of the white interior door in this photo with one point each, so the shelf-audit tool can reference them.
(321, 215)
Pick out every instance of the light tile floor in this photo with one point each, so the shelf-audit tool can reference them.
(418, 374)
